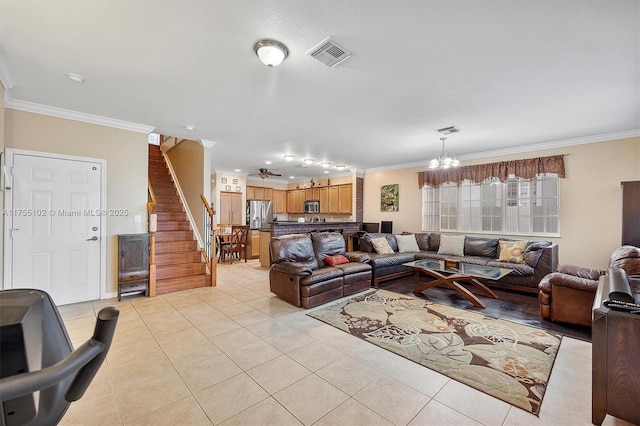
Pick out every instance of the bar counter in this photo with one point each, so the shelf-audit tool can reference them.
(277, 229)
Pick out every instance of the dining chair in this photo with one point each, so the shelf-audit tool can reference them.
(237, 244)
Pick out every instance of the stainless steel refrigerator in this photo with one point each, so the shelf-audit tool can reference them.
(259, 214)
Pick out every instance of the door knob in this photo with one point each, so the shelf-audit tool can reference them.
(94, 238)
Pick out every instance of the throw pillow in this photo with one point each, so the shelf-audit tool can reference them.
(452, 245)
(381, 245)
(337, 259)
(407, 243)
(512, 251)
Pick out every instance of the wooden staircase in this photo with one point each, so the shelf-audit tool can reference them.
(179, 262)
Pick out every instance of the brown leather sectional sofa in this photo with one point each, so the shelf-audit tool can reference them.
(300, 275)
(540, 259)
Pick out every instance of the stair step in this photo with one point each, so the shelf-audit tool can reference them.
(170, 216)
(168, 208)
(160, 182)
(180, 270)
(162, 236)
(157, 168)
(164, 191)
(167, 199)
(171, 246)
(173, 225)
(181, 283)
(173, 258)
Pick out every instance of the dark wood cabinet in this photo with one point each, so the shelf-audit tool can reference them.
(133, 264)
(631, 213)
(615, 339)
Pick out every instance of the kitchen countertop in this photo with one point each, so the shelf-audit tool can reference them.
(292, 222)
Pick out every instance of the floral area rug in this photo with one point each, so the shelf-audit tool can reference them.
(504, 359)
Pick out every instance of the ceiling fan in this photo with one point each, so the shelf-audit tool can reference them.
(264, 173)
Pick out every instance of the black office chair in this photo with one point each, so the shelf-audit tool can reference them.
(37, 356)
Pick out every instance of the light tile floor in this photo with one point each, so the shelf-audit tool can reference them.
(235, 354)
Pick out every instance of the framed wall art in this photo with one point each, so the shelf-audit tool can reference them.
(223, 180)
(390, 198)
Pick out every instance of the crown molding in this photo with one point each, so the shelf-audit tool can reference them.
(520, 149)
(207, 144)
(76, 116)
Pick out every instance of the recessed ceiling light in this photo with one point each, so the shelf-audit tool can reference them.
(325, 164)
(292, 177)
(289, 157)
(188, 127)
(238, 170)
(267, 162)
(308, 161)
(75, 77)
(326, 171)
(341, 167)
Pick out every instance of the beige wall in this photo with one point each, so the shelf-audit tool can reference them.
(126, 154)
(590, 197)
(187, 160)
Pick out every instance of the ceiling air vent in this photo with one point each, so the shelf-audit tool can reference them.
(449, 130)
(329, 53)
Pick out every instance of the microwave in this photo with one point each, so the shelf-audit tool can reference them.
(312, 206)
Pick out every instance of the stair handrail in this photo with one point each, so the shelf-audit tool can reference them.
(152, 224)
(151, 204)
(209, 238)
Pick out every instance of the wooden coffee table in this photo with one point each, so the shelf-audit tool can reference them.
(453, 277)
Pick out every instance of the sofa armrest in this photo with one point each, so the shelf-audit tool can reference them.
(578, 271)
(292, 268)
(357, 256)
(570, 281)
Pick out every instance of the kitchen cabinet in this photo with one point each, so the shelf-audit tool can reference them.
(344, 199)
(251, 192)
(295, 201)
(279, 201)
(334, 199)
(339, 199)
(259, 193)
(255, 244)
(312, 194)
(324, 199)
(232, 211)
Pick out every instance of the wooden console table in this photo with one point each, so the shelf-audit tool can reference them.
(615, 339)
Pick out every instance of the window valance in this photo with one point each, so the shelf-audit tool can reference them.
(478, 173)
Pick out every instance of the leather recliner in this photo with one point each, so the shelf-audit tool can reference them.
(628, 258)
(300, 275)
(567, 295)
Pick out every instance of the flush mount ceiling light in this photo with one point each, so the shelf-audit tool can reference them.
(289, 157)
(325, 164)
(271, 52)
(444, 160)
(189, 128)
(341, 167)
(267, 162)
(308, 161)
(75, 77)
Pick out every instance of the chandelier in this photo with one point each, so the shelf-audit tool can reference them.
(444, 160)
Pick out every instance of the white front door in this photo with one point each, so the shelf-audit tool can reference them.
(55, 218)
